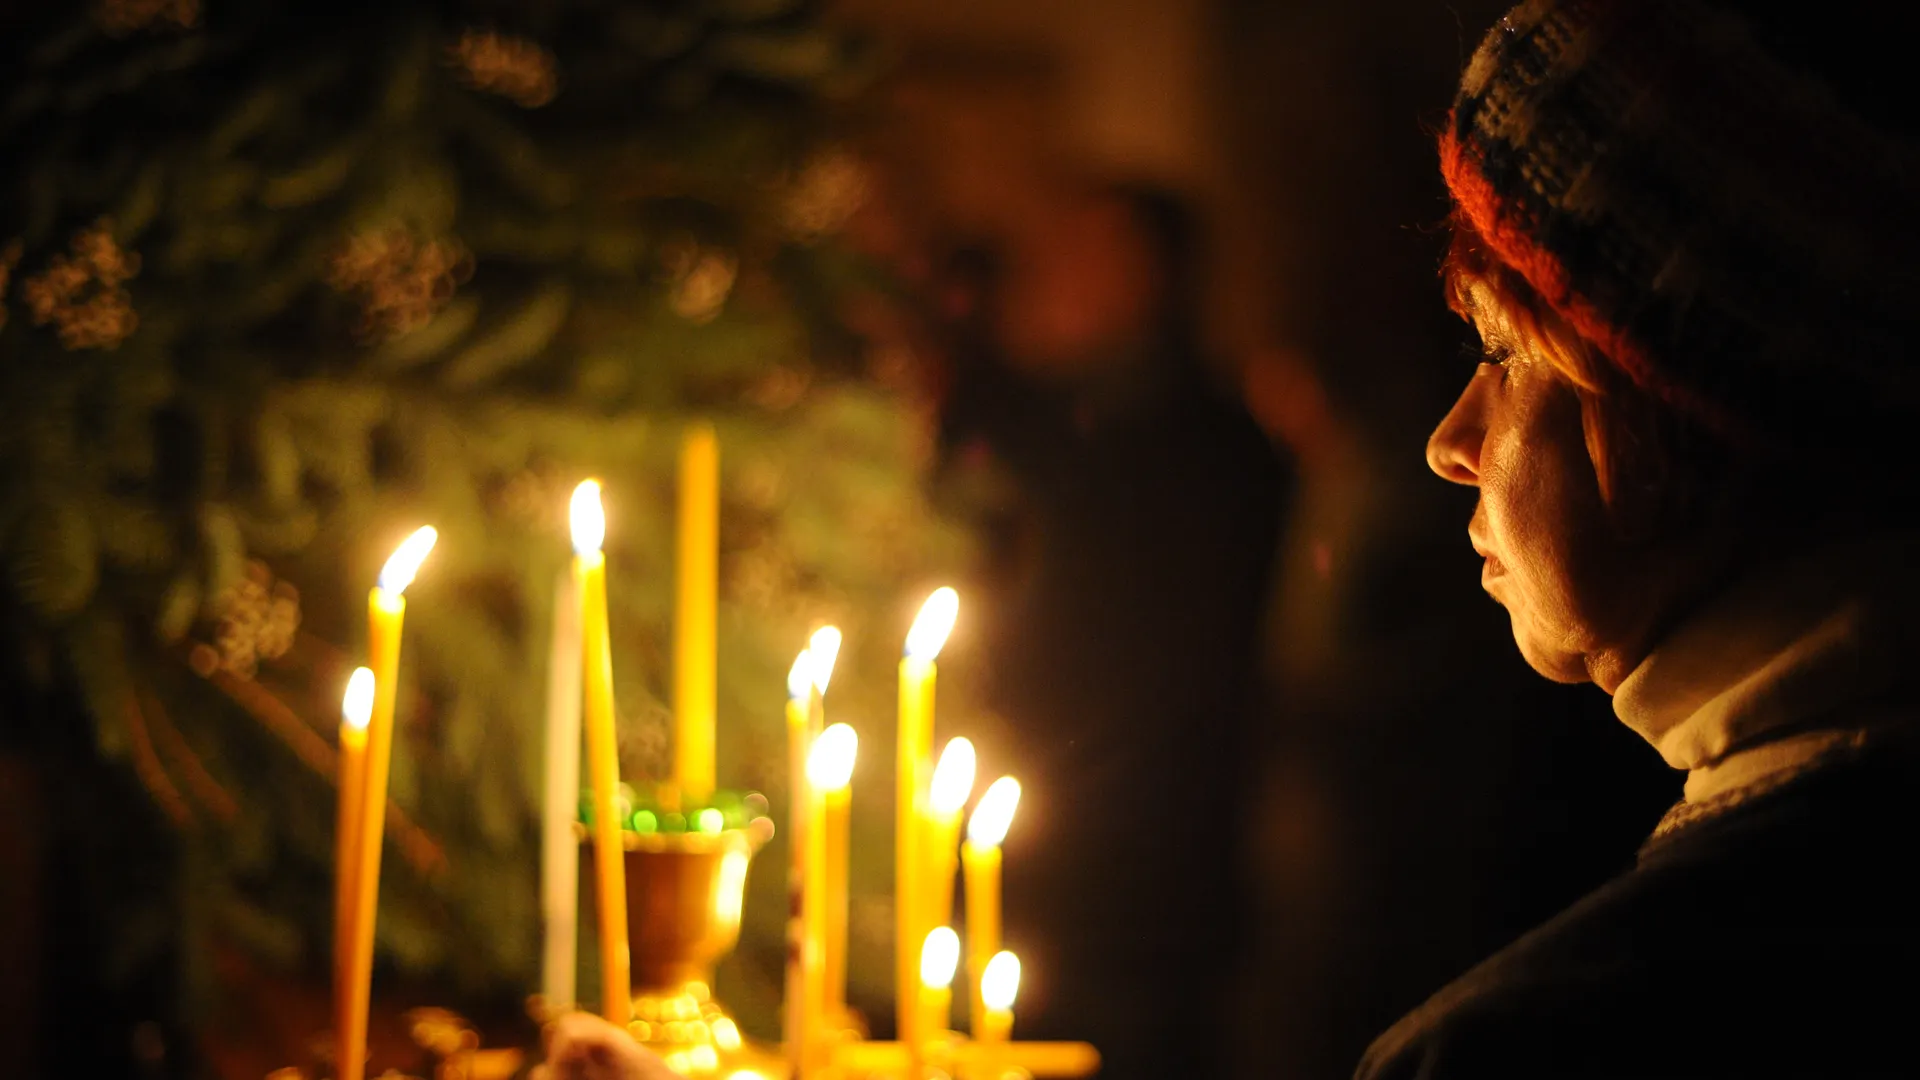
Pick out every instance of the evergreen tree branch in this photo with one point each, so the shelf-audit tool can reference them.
(216, 799)
(426, 855)
(147, 766)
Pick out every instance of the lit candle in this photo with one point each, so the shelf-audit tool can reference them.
(695, 627)
(981, 857)
(356, 709)
(830, 772)
(609, 853)
(386, 611)
(999, 984)
(939, 959)
(824, 648)
(796, 1019)
(952, 785)
(559, 848)
(913, 747)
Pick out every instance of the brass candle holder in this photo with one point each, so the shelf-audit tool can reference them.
(684, 897)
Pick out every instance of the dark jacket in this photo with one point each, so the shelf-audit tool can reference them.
(1777, 937)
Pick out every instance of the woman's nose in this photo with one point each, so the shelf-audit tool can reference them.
(1453, 450)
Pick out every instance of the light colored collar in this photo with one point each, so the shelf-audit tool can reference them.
(1791, 661)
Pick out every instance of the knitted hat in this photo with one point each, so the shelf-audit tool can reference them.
(1705, 213)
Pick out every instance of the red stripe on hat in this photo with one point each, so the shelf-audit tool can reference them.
(1507, 235)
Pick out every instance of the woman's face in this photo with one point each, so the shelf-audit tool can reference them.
(1583, 601)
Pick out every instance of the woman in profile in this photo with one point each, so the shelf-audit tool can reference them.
(1688, 245)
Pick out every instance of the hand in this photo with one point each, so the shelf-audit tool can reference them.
(581, 1046)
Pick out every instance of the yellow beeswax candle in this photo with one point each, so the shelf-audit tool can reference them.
(386, 612)
(695, 627)
(596, 694)
(796, 1020)
(999, 985)
(356, 709)
(939, 959)
(829, 768)
(829, 773)
(946, 799)
(824, 649)
(980, 856)
(913, 746)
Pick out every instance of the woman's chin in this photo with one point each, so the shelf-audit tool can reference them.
(1550, 660)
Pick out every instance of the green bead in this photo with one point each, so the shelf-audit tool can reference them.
(711, 820)
(645, 821)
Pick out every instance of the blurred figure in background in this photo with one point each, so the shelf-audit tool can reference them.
(1132, 567)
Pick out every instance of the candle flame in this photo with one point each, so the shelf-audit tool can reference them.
(800, 676)
(935, 622)
(405, 561)
(1000, 983)
(587, 518)
(953, 777)
(994, 813)
(825, 647)
(830, 764)
(939, 957)
(356, 708)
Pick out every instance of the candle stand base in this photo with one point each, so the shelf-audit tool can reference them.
(694, 1035)
(684, 895)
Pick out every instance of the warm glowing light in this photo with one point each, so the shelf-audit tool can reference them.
(1000, 983)
(825, 647)
(800, 676)
(935, 622)
(356, 708)
(703, 1058)
(995, 812)
(405, 561)
(588, 518)
(953, 777)
(729, 891)
(746, 1074)
(830, 764)
(939, 958)
(726, 1035)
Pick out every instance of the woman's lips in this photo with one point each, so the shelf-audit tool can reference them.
(1491, 571)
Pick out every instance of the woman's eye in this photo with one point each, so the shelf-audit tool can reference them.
(1496, 355)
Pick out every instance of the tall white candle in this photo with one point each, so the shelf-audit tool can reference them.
(559, 849)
